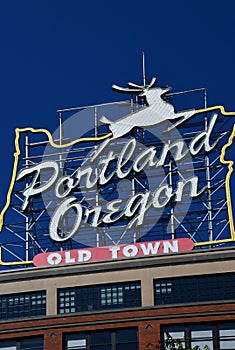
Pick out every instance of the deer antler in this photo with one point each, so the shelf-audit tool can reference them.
(133, 88)
(152, 82)
(126, 90)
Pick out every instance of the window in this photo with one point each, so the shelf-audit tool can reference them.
(226, 334)
(100, 297)
(215, 336)
(201, 336)
(22, 305)
(76, 342)
(23, 344)
(127, 339)
(121, 339)
(193, 289)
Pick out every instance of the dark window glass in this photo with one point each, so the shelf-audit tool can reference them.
(8, 345)
(101, 340)
(126, 335)
(22, 305)
(193, 289)
(122, 339)
(110, 296)
(32, 344)
(127, 339)
(35, 343)
(215, 336)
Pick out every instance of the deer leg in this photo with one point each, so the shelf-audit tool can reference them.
(185, 117)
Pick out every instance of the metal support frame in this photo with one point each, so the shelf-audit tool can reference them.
(29, 229)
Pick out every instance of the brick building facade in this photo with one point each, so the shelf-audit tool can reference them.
(127, 304)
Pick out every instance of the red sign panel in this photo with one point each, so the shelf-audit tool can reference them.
(121, 251)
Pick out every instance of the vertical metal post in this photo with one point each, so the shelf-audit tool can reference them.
(208, 178)
(60, 143)
(136, 231)
(26, 219)
(132, 104)
(172, 208)
(60, 138)
(143, 63)
(96, 171)
(172, 223)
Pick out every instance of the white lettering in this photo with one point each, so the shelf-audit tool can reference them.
(87, 172)
(63, 186)
(84, 255)
(54, 259)
(111, 207)
(130, 250)
(36, 187)
(137, 203)
(60, 214)
(170, 246)
(114, 250)
(146, 157)
(204, 136)
(44, 176)
(103, 178)
(68, 258)
(95, 218)
(150, 249)
(167, 192)
(178, 154)
(193, 182)
(124, 158)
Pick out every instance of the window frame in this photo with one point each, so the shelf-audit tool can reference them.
(215, 327)
(113, 343)
(22, 305)
(19, 343)
(99, 297)
(194, 289)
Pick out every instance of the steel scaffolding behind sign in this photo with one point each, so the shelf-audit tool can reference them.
(118, 175)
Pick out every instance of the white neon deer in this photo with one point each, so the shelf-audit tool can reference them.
(156, 112)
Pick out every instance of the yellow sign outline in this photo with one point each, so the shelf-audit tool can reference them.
(227, 179)
(14, 173)
(17, 154)
(100, 138)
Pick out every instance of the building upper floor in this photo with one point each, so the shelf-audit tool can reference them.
(156, 281)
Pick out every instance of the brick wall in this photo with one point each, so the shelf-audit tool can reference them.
(148, 321)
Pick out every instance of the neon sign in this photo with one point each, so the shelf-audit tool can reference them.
(121, 251)
(105, 166)
(136, 205)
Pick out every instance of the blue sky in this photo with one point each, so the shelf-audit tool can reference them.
(57, 54)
